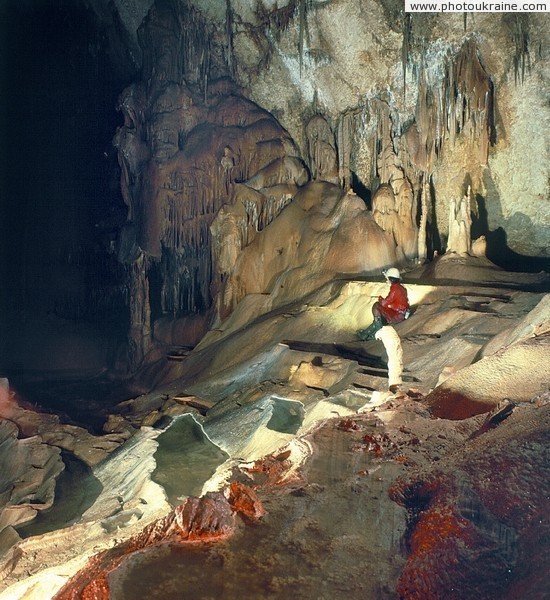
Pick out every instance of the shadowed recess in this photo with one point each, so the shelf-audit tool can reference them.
(76, 490)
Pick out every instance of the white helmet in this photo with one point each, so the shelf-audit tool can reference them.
(393, 273)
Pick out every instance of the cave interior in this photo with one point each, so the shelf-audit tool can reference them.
(180, 177)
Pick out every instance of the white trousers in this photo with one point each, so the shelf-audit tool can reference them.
(392, 343)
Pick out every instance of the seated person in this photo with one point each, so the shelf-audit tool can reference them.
(394, 308)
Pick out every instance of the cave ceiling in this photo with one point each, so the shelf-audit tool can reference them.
(342, 60)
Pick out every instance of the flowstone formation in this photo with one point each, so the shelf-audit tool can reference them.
(207, 174)
(202, 157)
(203, 170)
(434, 485)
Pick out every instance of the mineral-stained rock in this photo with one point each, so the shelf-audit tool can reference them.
(271, 470)
(477, 517)
(245, 501)
(206, 519)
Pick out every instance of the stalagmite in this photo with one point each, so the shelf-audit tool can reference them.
(405, 229)
(422, 242)
(460, 223)
(393, 204)
(322, 153)
(479, 246)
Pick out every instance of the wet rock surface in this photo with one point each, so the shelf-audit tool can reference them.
(362, 492)
(391, 503)
(206, 519)
(477, 516)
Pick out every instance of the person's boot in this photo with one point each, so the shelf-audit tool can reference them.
(368, 333)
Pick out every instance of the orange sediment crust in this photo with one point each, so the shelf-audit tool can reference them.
(437, 528)
(210, 518)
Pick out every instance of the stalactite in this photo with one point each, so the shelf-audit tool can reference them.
(345, 136)
(272, 207)
(229, 36)
(203, 142)
(383, 150)
(301, 26)
(275, 19)
(431, 115)
(473, 92)
(521, 40)
(322, 153)
(460, 106)
(449, 96)
(405, 47)
(272, 22)
(252, 214)
(175, 40)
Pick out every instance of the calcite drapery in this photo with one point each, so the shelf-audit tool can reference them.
(454, 113)
(188, 145)
(216, 169)
(322, 153)
(394, 204)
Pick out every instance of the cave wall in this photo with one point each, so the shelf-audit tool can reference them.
(60, 193)
(422, 116)
(341, 59)
(461, 99)
(413, 113)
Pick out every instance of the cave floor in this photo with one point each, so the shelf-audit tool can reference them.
(332, 532)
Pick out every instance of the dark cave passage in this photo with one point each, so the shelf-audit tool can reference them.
(61, 206)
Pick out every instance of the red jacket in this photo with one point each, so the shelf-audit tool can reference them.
(395, 304)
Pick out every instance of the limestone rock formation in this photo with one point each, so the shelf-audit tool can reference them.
(483, 385)
(272, 392)
(204, 169)
(273, 160)
(322, 227)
